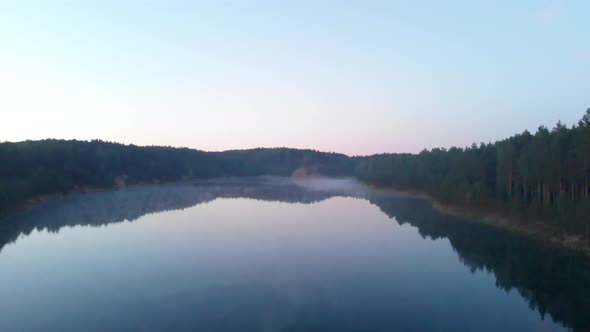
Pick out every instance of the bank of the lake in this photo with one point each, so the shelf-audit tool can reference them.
(40, 199)
(540, 231)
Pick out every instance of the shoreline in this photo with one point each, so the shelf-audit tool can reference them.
(40, 199)
(542, 232)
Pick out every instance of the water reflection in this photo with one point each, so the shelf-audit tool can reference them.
(554, 282)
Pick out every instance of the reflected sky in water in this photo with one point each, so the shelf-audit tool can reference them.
(276, 255)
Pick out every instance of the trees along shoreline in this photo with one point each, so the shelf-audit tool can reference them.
(537, 178)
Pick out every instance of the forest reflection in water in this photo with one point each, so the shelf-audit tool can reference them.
(553, 282)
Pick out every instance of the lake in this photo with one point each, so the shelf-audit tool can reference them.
(277, 254)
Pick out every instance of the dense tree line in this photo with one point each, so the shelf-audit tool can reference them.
(33, 168)
(536, 177)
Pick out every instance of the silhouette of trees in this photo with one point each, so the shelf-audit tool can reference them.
(33, 168)
(541, 176)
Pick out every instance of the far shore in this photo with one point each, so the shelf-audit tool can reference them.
(36, 200)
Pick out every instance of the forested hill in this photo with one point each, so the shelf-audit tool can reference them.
(33, 168)
(541, 176)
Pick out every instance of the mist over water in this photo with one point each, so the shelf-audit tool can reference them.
(277, 254)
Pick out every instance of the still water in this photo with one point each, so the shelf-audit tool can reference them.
(276, 255)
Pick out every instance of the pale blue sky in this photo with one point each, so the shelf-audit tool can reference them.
(355, 77)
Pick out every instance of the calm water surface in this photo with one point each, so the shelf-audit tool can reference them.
(276, 255)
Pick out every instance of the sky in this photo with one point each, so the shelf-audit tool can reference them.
(356, 77)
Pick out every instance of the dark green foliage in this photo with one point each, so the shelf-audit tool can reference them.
(284, 161)
(33, 168)
(541, 177)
